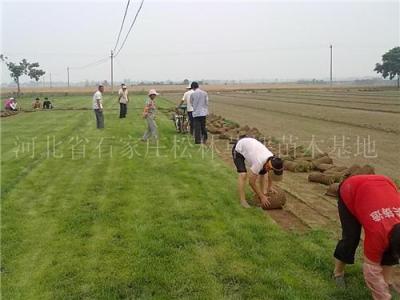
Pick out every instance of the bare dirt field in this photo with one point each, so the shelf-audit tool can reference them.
(165, 88)
(353, 126)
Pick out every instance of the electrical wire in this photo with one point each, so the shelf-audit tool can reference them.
(122, 25)
(92, 64)
(130, 28)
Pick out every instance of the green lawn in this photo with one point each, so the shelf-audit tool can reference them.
(97, 214)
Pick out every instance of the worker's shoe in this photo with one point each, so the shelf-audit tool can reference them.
(339, 280)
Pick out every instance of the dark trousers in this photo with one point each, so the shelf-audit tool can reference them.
(351, 232)
(190, 116)
(122, 110)
(200, 130)
(99, 118)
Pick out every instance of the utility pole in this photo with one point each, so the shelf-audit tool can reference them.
(50, 81)
(112, 72)
(331, 65)
(68, 76)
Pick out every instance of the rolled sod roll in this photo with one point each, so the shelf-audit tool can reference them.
(290, 165)
(336, 169)
(333, 190)
(324, 167)
(319, 155)
(326, 179)
(322, 160)
(303, 166)
(277, 199)
(364, 170)
(352, 169)
(213, 130)
(320, 178)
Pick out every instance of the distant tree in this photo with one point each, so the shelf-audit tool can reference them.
(22, 68)
(390, 65)
(186, 82)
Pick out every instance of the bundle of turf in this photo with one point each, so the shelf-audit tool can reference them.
(303, 166)
(297, 165)
(326, 179)
(333, 190)
(364, 170)
(305, 157)
(277, 199)
(289, 165)
(337, 169)
(324, 167)
(352, 171)
(322, 160)
(354, 168)
(213, 130)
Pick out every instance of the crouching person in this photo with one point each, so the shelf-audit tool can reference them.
(260, 161)
(371, 202)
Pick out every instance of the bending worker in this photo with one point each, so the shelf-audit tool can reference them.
(373, 203)
(260, 161)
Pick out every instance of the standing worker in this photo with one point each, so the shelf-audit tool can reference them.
(98, 106)
(123, 101)
(199, 101)
(260, 161)
(149, 113)
(189, 107)
(373, 203)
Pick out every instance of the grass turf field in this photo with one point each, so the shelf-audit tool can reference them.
(97, 214)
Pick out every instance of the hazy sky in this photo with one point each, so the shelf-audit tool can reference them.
(201, 39)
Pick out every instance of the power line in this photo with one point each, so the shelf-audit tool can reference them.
(122, 25)
(130, 28)
(92, 64)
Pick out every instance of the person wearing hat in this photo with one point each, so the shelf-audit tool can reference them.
(98, 106)
(189, 107)
(149, 113)
(371, 202)
(37, 104)
(123, 100)
(260, 160)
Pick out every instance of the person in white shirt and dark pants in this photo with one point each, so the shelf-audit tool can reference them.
(98, 106)
(123, 101)
(260, 161)
(199, 101)
(189, 107)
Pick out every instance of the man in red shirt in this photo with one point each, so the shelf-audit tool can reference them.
(373, 203)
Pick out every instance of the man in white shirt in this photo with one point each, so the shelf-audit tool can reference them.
(189, 107)
(260, 160)
(199, 101)
(98, 106)
(123, 100)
